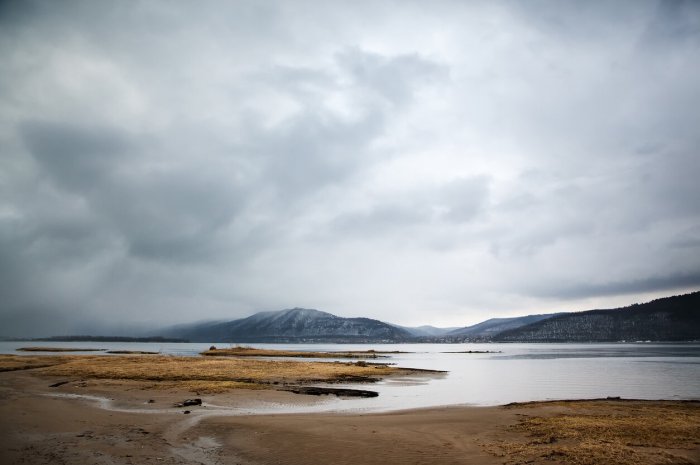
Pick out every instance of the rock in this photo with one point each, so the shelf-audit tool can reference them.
(189, 402)
(319, 391)
(186, 412)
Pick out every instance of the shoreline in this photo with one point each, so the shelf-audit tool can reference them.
(110, 422)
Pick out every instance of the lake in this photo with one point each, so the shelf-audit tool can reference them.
(515, 373)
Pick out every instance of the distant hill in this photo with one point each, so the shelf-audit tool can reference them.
(668, 319)
(426, 331)
(292, 325)
(490, 328)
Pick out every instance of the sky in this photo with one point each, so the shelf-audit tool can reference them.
(442, 162)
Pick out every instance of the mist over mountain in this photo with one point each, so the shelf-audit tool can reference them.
(427, 330)
(668, 319)
(489, 328)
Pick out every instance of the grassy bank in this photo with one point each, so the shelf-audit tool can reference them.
(604, 432)
(207, 373)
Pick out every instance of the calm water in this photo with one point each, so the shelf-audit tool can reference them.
(519, 372)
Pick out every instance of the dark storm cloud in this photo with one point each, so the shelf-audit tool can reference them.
(77, 158)
(160, 213)
(675, 23)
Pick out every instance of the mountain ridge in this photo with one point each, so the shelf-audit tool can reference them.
(294, 325)
(674, 318)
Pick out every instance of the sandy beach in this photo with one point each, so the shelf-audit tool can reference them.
(98, 421)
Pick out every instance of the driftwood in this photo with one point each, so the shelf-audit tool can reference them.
(60, 383)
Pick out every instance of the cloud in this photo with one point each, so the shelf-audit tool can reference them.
(161, 212)
(443, 165)
(393, 78)
(639, 286)
(455, 202)
(77, 158)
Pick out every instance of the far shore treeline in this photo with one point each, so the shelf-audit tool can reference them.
(85, 338)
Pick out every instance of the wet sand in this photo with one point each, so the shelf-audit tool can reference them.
(110, 422)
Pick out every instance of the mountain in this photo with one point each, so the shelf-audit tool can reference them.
(292, 325)
(669, 319)
(489, 328)
(674, 318)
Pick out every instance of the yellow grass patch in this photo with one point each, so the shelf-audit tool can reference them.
(604, 432)
(167, 368)
(26, 362)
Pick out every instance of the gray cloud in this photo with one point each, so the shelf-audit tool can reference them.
(76, 158)
(638, 286)
(162, 212)
(392, 78)
(166, 161)
(457, 201)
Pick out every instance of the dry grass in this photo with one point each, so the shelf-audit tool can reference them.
(166, 368)
(243, 351)
(210, 374)
(27, 362)
(607, 432)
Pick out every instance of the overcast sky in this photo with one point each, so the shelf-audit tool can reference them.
(417, 162)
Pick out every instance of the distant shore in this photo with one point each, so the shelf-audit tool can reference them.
(83, 419)
(107, 339)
